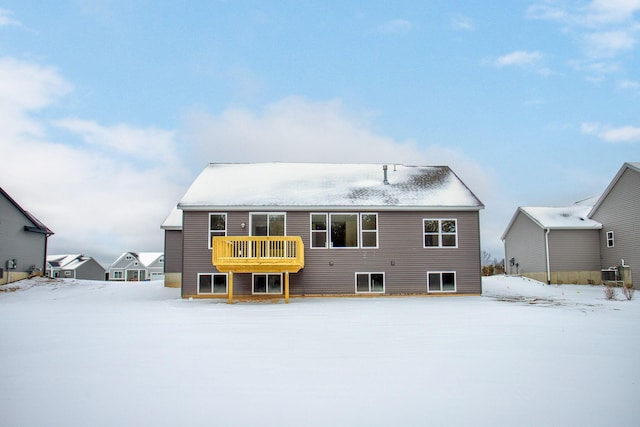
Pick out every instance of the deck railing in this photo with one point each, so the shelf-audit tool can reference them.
(254, 254)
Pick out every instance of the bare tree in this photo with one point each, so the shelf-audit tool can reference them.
(485, 258)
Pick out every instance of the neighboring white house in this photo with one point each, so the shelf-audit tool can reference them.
(74, 267)
(138, 266)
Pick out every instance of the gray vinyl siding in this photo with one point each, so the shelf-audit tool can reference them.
(620, 212)
(574, 250)
(27, 248)
(173, 251)
(525, 242)
(90, 270)
(400, 255)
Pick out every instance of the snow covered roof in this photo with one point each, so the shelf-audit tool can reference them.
(148, 258)
(67, 262)
(562, 217)
(173, 220)
(312, 185)
(573, 217)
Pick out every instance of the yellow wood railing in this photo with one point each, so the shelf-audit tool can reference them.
(247, 254)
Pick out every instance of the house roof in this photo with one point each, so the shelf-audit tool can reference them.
(635, 166)
(173, 220)
(38, 227)
(312, 185)
(573, 217)
(67, 262)
(148, 258)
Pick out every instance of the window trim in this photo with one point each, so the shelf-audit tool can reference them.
(267, 274)
(362, 231)
(359, 235)
(312, 231)
(369, 273)
(610, 238)
(251, 214)
(226, 284)
(441, 291)
(209, 231)
(440, 233)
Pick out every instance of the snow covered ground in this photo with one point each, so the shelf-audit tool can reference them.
(76, 353)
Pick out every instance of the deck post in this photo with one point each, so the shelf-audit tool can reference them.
(230, 288)
(286, 287)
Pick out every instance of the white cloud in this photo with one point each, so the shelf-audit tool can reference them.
(603, 28)
(609, 43)
(630, 86)
(623, 134)
(518, 58)
(461, 22)
(99, 197)
(6, 19)
(395, 26)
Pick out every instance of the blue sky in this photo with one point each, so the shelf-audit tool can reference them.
(109, 109)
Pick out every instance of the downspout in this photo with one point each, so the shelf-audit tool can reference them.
(546, 243)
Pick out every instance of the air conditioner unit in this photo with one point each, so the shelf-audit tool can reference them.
(609, 274)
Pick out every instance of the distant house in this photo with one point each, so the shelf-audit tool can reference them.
(137, 266)
(23, 242)
(265, 230)
(553, 244)
(74, 267)
(172, 227)
(574, 244)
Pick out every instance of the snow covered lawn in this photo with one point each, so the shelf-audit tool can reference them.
(76, 353)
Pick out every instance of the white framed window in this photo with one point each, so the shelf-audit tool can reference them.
(67, 273)
(319, 230)
(441, 281)
(267, 283)
(217, 226)
(268, 224)
(212, 283)
(369, 283)
(128, 257)
(369, 230)
(117, 274)
(610, 239)
(440, 233)
(344, 230)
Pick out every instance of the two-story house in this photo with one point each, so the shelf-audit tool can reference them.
(308, 229)
(137, 267)
(592, 241)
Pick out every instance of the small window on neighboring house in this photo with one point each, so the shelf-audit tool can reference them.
(217, 226)
(161, 260)
(135, 263)
(369, 283)
(610, 240)
(128, 257)
(67, 274)
(441, 281)
(212, 283)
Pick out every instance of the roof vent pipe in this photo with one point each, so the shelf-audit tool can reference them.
(386, 181)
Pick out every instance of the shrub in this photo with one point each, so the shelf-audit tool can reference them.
(628, 290)
(609, 292)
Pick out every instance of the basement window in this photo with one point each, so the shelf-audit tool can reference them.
(441, 281)
(212, 283)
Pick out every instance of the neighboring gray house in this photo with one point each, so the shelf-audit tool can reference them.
(172, 227)
(137, 266)
(74, 267)
(574, 244)
(618, 209)
(303, 229)
(23, 242)
(553, 244)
